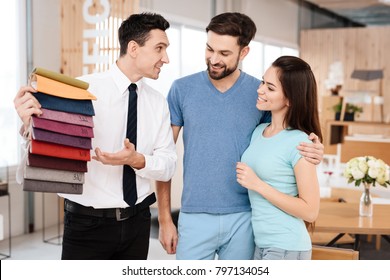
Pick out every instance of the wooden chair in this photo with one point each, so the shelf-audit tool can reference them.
(332, 253)
(323, 238)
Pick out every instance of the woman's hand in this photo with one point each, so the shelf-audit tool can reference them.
(246, 177)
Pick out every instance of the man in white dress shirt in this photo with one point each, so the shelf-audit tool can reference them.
(99, 224)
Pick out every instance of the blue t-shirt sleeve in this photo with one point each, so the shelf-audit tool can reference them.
(175, 105)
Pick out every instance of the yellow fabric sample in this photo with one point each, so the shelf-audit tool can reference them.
(60, 77)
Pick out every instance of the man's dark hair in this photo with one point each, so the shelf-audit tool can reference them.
(137, 27)
(234, 24)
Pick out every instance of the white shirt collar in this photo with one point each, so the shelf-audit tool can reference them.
(121, 80)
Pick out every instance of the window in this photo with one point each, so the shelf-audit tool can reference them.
(8, 79)
(262, 55)
(253, 63)
(193, 50)
(186, 56)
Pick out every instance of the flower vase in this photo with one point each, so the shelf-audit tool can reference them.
(366, 206)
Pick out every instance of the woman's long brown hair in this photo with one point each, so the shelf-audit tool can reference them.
(300, 88)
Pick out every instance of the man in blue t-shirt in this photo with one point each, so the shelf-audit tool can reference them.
(217, 110)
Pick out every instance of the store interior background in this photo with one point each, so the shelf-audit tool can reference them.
(319, 36)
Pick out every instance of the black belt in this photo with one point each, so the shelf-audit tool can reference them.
(119, 214)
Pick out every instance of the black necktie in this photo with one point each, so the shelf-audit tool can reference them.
(129, 181)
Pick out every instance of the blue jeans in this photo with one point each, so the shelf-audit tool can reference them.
(281, 254)
(203, 236)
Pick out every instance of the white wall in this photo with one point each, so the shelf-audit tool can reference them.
(276, 21)
(47, 34)
(190, 10)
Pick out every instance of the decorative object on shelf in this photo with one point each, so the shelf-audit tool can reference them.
(335, 77)
(350, 111)
(335, 90)
(371, 75)
(369, 171)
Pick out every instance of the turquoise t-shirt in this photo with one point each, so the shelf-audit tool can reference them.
(273, 159)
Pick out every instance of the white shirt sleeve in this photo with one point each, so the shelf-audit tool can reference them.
(161, 164)
(24, 147)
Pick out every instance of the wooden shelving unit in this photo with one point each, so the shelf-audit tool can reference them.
(336, 132)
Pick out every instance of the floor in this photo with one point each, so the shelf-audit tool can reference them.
(32, 247)
(369, 252)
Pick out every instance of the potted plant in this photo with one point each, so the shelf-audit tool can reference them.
(350, 110)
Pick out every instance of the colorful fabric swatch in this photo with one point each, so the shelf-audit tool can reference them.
(52, 87)
(37, 173)
(57, 150)
(51, 187)
(61, 137)
(71, 118)
(56, 163)
(64, 128)
(59, 77)
(83, 107)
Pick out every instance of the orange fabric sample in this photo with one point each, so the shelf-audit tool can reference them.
(52, 87)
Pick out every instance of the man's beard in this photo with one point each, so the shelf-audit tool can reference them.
(226, 72)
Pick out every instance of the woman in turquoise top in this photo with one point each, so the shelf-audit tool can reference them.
(283, 186)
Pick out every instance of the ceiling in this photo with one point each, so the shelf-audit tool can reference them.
(366, 12)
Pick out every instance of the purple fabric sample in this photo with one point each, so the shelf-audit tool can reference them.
(72, 118)
(64, 128)
(68, 140)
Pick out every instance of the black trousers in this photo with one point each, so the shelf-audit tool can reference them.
(94, 238)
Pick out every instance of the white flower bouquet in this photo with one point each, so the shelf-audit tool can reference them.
(367, 170)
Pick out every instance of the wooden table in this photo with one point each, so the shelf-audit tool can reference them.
(344, 218)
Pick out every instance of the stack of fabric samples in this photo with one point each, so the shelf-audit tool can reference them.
(61, 137)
